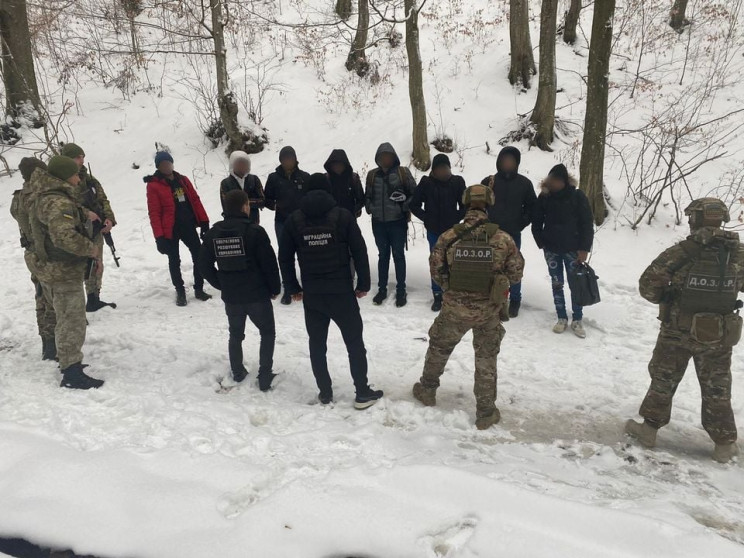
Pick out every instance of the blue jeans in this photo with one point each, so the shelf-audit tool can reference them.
(432, 238)
(556, 263)
(515, 291)
(391, 237)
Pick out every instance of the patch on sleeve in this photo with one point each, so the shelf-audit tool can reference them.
(68, 216)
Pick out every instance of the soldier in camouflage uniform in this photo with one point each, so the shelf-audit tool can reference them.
(62, 242)
(475, 263)
(696, 284)
(45, 319)
(94, 199)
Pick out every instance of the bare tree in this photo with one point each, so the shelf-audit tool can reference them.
(225, 97)
(19, 76)
(677, 19)
(543, 115)
(522, 66)
(343, 9)
(572, 20)
(595, 122)
(357, 59)
(421, 155)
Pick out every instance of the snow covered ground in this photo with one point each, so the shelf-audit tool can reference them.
(158, 463)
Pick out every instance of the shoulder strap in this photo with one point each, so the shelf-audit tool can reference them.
(492, 181)
(370, 182)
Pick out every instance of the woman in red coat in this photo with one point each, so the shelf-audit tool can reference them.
(175, 212)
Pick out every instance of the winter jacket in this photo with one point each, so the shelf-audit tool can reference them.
(283, 193)
(382, 184)
(258, 280)
(441, 201)
(563, 222)
(252, 186)
(514, 196)
(325, 238)
(161, 204)
(346, 188)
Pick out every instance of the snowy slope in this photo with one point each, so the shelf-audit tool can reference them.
(159, 464)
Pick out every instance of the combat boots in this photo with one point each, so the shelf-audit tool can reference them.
(486, 422)
(73, 377)
(643, 432)
(723, 453)
(48, 349)
(181, 297)
(94, 303)
(427, 396)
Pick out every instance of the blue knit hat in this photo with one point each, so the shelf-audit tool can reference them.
(161, 156)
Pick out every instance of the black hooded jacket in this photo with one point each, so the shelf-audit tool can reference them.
(563, 222)
(346, 188)
(514, 195)
(283, 193)
(439, 204)
(325, 238)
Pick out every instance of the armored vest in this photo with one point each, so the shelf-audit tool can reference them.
(230, 246)
(712, 281)
(320, 249)
(471, 270)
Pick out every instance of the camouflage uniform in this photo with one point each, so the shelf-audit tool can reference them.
(94, 199)
(662, 284)
(45, 318)
(463, 311)
(62, 244)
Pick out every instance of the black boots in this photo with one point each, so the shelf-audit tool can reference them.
(48, 349)
(73, 377)
(199, 294)
(437, 305)
(380, 297)
(95, 303)
(286, 299)
(265, 379)
(181, 297)
(514, 308)
(401, 299)
(240, 374)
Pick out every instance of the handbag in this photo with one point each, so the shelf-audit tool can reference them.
(582, 280)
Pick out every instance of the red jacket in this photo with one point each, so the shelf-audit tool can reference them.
(162, 206)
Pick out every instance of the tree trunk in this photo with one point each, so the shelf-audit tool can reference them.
(19, 77)
(522, 66)
(572, 20)
(357, 59)
(225, 97)
(543, 115)
(595, 123)
(677, 18)
(421, 156)
(343, 9)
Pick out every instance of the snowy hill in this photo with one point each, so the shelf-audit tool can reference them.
(159, 463)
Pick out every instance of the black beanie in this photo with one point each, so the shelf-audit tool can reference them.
(559, 171)
(440, 160)
(28, 165)
(318, 181)
(287, 152)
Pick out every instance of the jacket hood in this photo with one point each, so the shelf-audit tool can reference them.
(157, 177)
(509, 150)
(572, 185)
(386, 148)
(338, 156)
(317, 203)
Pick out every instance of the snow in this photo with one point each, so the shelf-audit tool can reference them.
(158, 463)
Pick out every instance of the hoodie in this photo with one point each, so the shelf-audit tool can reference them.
(381, 184)
(514, 195)
(324, 238)
(346, 188)
(563, 221)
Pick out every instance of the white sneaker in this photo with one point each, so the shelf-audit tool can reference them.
(578, 329)
(560, 326)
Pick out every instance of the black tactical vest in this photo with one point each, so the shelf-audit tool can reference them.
(711, 285)
(231, 246)
(472, 261)
(320, 249)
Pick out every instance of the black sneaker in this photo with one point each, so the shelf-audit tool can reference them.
(379, 297)
(181, 297)
(48, 349)
(401, 299)
(73, 377)
(437, 305)
(199, 294)
(514, 308)
(367, 398)
(286, 299)
(325, 398)
(264, 381)
(239, 375)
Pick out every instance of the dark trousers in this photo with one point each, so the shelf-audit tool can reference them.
(187, 235)
(515, 291)
(391, 237)
(279, 230)
(432, 238)
(343, 309)
(261, 315)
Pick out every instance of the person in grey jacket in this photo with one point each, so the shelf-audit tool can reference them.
(388, 192)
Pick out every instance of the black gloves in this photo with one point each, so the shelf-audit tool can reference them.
(163, 244)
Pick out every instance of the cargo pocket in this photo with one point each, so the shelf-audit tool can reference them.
(731, 329)
(707, 328)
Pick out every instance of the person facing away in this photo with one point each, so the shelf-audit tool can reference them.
(65, 252)
(696, 284)
(176, 211)
(563, 228)
(325, 239)
(474, 262)
(95, 200)
(514, 204)
(389, 188)
(247, 275)
(437, 201)
(240, 178)
(285, 188)
(346, 186)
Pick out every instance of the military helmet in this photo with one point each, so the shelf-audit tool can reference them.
(478, 193)
(708, 211)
